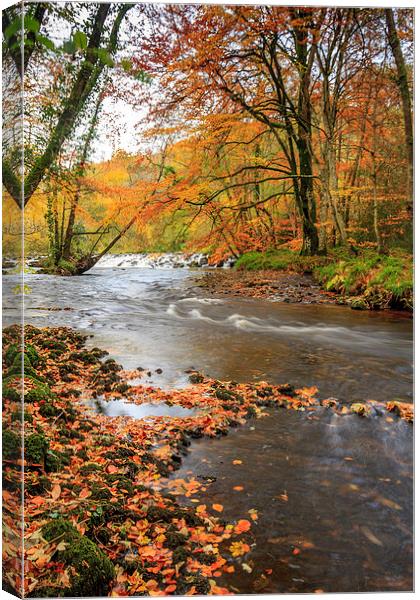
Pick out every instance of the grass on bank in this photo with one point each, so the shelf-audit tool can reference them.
(371, 280)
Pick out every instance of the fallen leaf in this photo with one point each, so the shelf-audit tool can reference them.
(217, 507)
(242, 526)
(370, 536)
(55, 492)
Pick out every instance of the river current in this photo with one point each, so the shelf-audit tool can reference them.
(348, 481)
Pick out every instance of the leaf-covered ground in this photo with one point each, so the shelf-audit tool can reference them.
(101, 515)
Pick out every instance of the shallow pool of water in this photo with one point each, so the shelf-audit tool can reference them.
(120, 408)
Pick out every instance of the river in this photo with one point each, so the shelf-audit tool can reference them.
(346, 524)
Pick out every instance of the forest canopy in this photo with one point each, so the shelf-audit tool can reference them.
(264, 127)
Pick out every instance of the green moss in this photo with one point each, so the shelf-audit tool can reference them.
(10, 355)
(86, 357)
(48, 410)
(100, 493)
(17, 416)
(11, 445)
(90, 468)
(50, 344)
(21, 361)
(11, 394)
(32, 354)
(38, 393)
(379, 281)
(278, 260)
(196, 378)
(93, 571)
(36, 446)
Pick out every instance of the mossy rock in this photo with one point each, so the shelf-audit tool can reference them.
(20, 361)
(10, 354)
(222, 394)
(174, 539)
(200, 584)
(48, 410)
(85, 357)
(109, 366)
(359, 303)
(196, 378)
(17, 416)
(99, 353)
(38, 486)
(53, 345)
(100, 493)
(360, 409)
(36, 446)
(93, 571)
(122, 388)
(287, 390)
(11, 445)
(11, 394)
(120, 482)
(90, 468)
(40, 392)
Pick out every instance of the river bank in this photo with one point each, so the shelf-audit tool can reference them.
(290, 288)
(100, 483)
(362, 279)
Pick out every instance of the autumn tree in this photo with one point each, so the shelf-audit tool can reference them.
(86, 54)
(257, 60)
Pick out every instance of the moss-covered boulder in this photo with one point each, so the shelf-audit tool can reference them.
(92, 570)
(10, 393)
(36, 447)
(22, 361)
(361, 409)
(39, 392)
(11, 445)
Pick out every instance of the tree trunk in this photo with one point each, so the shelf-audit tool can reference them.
(306, 200)
(75, 200)
(403, 86)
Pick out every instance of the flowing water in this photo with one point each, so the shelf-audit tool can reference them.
(348, 481)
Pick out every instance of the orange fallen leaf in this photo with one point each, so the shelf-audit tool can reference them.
(242, 526)
(238, 488)
(296, 551)
(217, 507)
(237, 462)
(85, 493)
